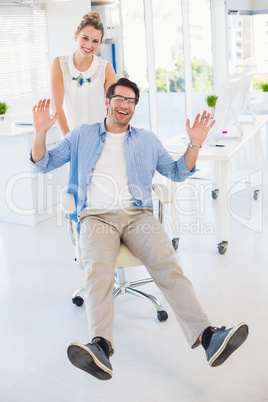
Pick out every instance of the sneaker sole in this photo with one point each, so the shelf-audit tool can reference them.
(84, 359)
(232, 342)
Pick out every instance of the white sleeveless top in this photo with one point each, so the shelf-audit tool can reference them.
(83, 103)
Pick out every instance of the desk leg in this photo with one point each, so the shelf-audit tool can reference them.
(216, 180)
(171, 220)
(257, 145)
(257, 163)
(175, 219)
(224, 211)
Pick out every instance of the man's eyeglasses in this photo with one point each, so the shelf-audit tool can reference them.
(121, 99)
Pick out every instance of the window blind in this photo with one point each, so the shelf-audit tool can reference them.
(24, 67)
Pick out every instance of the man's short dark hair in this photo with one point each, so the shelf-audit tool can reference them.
(124, 82)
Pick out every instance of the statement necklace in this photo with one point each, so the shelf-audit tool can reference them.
(81, 80)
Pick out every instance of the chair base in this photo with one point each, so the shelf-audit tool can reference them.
(122, 286)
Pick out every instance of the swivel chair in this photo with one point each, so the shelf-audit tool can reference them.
(124, 259)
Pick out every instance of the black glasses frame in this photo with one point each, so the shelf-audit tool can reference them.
(123, 97)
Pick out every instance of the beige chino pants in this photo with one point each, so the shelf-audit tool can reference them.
(141, 232)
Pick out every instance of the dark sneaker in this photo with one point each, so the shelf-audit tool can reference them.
(224, 342)
(90, 358)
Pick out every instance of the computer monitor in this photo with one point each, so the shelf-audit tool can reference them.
(227, 107)
(232, 103)
(242, 103)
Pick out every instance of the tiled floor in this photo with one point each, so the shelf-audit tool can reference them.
(152, 361)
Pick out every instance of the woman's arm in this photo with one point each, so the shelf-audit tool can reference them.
(57, 96)
(110, 77)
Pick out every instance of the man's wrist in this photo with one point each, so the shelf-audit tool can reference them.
(196, 148)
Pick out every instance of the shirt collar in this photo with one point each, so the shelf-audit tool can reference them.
(103, 129)
(85, 74)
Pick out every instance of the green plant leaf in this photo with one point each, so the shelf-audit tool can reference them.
(264, 87)
(3, 107)
(211, 100)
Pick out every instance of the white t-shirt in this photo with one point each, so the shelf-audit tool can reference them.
(109, 186)
(83, 104)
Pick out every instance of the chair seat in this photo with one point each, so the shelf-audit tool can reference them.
(126, 258)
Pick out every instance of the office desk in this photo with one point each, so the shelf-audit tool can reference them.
(221, 157)
(27, 198)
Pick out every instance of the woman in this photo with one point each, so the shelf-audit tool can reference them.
(79, 82)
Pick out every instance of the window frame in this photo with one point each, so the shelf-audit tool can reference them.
(24, 64)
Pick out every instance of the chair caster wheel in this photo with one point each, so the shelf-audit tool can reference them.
(175, 243)
(222, 247)
(78, 301)
(215, 193)
(162, 315)
(256, 195)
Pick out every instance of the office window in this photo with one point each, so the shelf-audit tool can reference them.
(169, 52)
(24, 68)
(169, 66)
(135, 56)
(252, 29)
(201, 52)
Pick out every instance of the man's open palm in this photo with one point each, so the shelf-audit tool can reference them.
(199, 131)
(41, 117)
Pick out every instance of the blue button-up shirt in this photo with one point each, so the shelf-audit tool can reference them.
(83, 146)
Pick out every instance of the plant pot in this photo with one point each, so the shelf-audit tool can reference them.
(211, 110)
(5, 123)
(264, 97)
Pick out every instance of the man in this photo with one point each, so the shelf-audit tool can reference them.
(111, 169)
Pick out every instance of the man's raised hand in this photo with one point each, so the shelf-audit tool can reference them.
(41, 117)
(199, 131)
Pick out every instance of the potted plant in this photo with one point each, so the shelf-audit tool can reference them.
(264, 88)
(211, 102)
(5, 124)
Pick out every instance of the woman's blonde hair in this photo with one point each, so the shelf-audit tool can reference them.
(93, 20)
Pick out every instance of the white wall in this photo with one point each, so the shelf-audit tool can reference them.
(62, 20)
